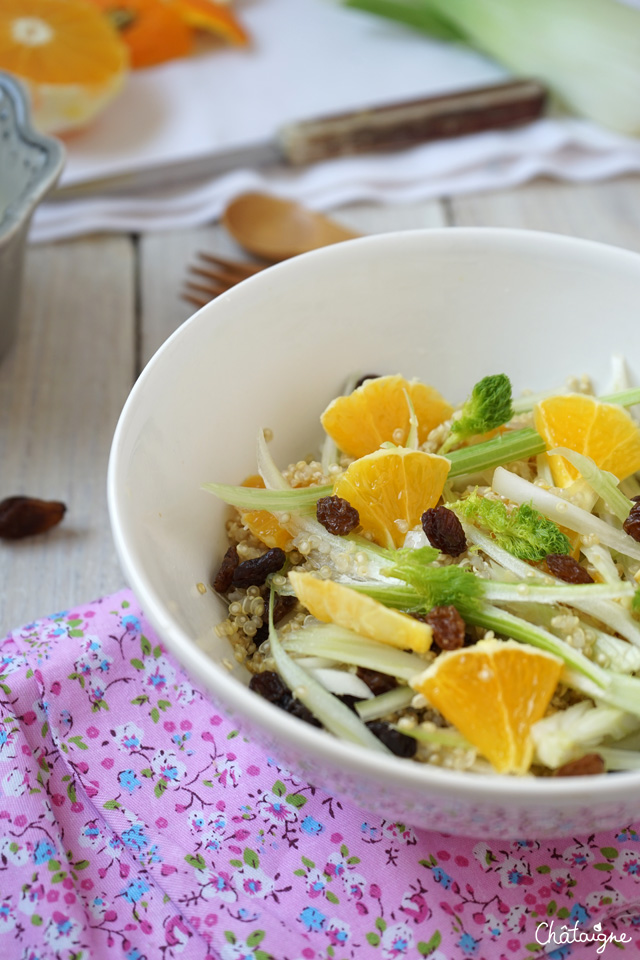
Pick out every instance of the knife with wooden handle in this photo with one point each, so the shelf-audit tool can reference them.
(378, 129)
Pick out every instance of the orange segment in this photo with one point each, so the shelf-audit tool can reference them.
(603, 431)
(391, 489)
(213, 17)
(333, 602)
(70, 57)
(262, 524)
(360, 422)
(493, 693)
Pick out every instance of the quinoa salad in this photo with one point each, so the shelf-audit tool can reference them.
(454, 585)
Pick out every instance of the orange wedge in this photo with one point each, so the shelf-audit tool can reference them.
(333, 602)
(603, 431)
(68, 54)
(391, 489)
(262, 524)
(493, 693)
(378, 412)
(213, 17)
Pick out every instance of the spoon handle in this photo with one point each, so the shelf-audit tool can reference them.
(399, 125)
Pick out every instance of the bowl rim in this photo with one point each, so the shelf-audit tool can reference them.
(259, 712)
(19, 210)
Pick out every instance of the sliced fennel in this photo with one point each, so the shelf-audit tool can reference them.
(570, 733)
(338, 643)
(335, 716)
(390, 702)
(275, 501)
(605, 484)
(518, 490)
(617, 759)
(437, 736)
(510, 446)
(610, 613)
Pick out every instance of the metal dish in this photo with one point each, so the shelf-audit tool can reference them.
(30, 164)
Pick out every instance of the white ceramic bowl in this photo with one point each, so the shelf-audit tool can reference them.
(448, 306)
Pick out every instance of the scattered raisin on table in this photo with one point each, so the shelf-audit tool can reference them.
(27, 516)
(253, 573)
(337, 515)
(632, 524)
(448, 627)
(398, 743)
(377, 682)
(567, 568)
(367, 376)
(224, 575)
(444, 531)
(587, 766)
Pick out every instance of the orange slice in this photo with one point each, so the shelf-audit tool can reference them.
(213, 17)
(152, 30)
(70, 57)
(391, 489)
(493, 693)
(262, 524)
(378, 412)
(603, 431)
(333, 602)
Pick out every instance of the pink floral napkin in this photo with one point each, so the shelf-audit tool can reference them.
(136, 822)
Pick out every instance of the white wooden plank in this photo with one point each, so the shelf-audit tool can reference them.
(61, 390)
(608, 212)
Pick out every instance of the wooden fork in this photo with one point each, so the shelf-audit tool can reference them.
(217, 276)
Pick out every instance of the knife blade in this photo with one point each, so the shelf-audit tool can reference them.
(376, 129)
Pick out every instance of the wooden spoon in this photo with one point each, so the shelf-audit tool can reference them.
(276, 229)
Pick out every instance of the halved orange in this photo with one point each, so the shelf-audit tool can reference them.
(336, 603)
(493, 693)
(603, 431)
(262, 524)
(378, 412)
(70, 57)
(391, 489)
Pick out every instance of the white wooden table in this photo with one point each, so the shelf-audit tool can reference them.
(96, 309)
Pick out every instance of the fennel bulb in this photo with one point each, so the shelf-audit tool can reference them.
(586, 51)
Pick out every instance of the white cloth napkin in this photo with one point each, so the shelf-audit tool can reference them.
(309, 57)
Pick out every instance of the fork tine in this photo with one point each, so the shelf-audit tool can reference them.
(208, 289)
(228, 278)
(233, 266)
(196, 301)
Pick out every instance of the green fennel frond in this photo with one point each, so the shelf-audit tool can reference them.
(524, 533)
(488, 407)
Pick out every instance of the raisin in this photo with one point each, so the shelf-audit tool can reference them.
(26, 516)
(282, 606)
(297, 709)
(632, 524)
(367, 376)
(337, 515)
(261, 634)
(268, 685)
(448, 627)
(567, 569)
(253, 573)
(224, 575)
(377, 682)
(587, 766)
(398, 743)
(444, 531)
